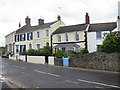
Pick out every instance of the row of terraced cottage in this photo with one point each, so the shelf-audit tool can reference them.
(58, 35)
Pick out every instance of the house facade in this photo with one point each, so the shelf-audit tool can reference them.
(10, 43)
(70, 38)
(35, 37)
(78, 37)
(97, 33)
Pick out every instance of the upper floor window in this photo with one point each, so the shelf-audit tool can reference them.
(30, 36)
(99, 35)
(66, 37)
(37, 34)
(76, 37)
(16, 38)
(47, 33)
(59, 38)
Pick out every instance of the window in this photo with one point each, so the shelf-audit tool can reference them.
(66, 37)
(59, 38)
(38, 46)
(28, 36)
(30, 46)
(76, 37)
(38, 34)
(16, 38)
(17, 50)
(20, 37)
(63, 49)
(22, 48)
(31, 36)
(99, 35)
(47, 33)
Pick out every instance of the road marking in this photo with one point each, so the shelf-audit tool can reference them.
(40, 71)
(53, 74)
(72, 82)
(20, 67)
(98, 83)
(47, 73)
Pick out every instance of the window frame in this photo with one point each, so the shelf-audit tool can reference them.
(77, 37)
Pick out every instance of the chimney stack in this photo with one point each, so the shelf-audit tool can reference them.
(27, 20)
(40, 21)
(59, 18)
(87, 18)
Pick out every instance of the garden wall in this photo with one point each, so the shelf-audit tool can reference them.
(97, 60)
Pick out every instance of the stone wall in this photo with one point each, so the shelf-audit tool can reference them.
(97, 60)
(58, 61)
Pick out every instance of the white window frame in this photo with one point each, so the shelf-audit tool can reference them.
(36, 35)
(77, 37)
(59, 39)
(36, 48)
(45, 33)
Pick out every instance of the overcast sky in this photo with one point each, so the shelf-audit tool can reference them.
(71, 11)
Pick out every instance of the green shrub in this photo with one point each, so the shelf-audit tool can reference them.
(85, 51)
(72, 53)
(47, 50)
(111, 44)
(32, 52)
(59, 54)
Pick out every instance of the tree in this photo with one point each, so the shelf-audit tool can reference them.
(111, 43)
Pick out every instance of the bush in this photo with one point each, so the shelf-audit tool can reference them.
(84, 51)
(111, 43)
(59, 54)
(47, 50)
(32, 52)
(72, 53)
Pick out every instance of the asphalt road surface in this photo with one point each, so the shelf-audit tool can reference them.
(27, 75)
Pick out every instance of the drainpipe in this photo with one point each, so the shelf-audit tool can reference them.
(51, 44)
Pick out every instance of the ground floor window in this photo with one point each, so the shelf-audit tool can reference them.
(30, 46)
(17, 48)
(22, 48)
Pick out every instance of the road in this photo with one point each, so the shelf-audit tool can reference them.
(27, 75)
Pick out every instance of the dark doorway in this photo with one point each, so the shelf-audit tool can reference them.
(46, 59)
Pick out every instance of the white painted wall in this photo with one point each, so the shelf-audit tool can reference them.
(36, 59)
(22, 57)
(119, 15)
(51, 60)
(93, 42)
(13, 57)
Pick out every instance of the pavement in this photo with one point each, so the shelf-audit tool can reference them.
(28, 75)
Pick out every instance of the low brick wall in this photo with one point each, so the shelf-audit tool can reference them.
(97, 60)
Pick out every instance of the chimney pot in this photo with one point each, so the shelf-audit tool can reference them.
(27, 20)
(87, 18)
(59, 18)
(40, 21)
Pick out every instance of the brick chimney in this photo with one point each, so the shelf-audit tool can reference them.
(40, 21)
(59, 18)
(27, 20)
(87, 18)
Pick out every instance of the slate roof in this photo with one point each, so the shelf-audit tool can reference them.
(102, 27)
(72, 28)
(29, 28)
